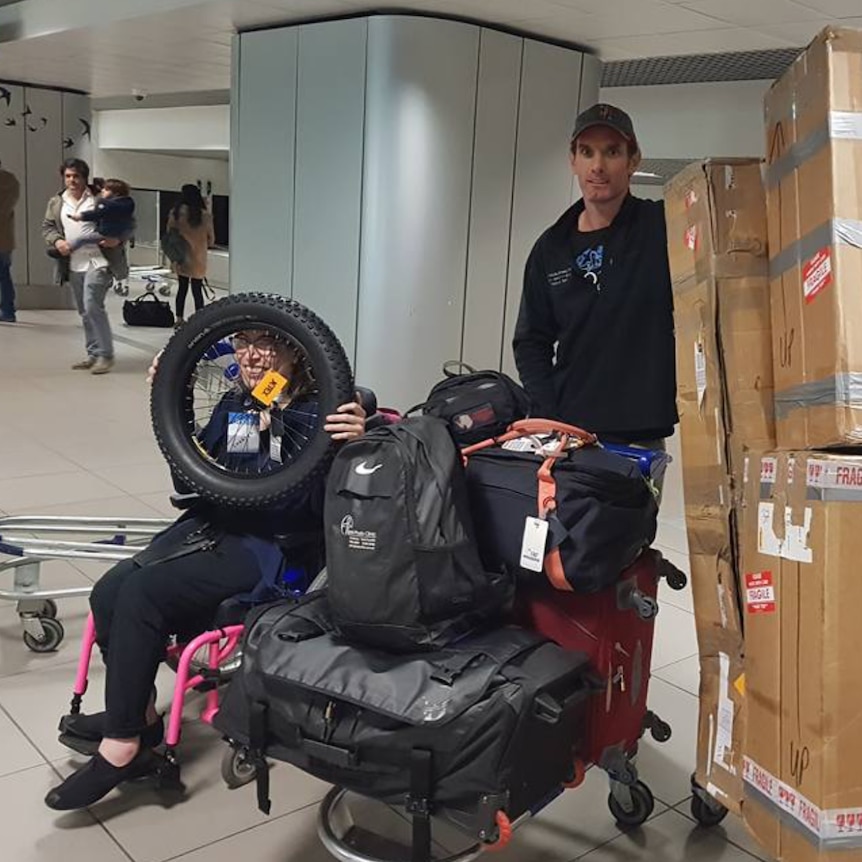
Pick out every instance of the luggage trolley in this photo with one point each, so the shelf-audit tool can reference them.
(32, 539)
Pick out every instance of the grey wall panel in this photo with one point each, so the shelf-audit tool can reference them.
(591, 79)
(263, 163)
(12, 153)
(44, 145)
(77, 121)
(550, 86)
(491, 204)
(420, 109)
(329, 144)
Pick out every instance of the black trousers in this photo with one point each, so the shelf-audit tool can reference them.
(136, 608)
(182, 292)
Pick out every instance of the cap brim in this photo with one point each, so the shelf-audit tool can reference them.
(593, 124)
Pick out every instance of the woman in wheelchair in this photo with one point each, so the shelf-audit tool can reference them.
(175, 586)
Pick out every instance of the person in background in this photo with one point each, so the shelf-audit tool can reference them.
(194, 223)
(594, 342)
(113, 215)
(89, 269)
(9, 192)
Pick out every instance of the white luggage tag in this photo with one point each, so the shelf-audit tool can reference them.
(533, 544)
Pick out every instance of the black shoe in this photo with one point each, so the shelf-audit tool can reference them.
(98, 778)
(83, 733)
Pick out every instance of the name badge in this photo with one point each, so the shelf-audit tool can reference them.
(243, 433)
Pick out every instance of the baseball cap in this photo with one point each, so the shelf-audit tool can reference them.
(605, 115)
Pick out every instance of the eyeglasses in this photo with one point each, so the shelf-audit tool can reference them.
(264, 344)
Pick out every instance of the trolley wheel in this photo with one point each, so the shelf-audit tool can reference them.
(237, 768)
(52, 636)
(643, 806)
(165, 290)
(660, 730)
(707, 814)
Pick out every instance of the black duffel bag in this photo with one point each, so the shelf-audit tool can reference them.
(492, 725)
(476, 405)
(148, 310)
(601, 512)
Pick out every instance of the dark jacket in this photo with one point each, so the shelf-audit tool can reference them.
(114, 217)
(601, 356)
(52, 230)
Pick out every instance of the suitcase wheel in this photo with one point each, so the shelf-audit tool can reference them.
(504, 832)
(631, 805)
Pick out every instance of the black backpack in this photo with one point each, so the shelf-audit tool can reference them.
(477, 405)
(403, 570)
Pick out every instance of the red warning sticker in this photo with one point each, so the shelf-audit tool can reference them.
(691, 238)
(817, 274)
(760, 593)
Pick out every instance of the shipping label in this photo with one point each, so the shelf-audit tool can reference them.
(817, 274)
(833, 829)
(834, 480)
(760, 593)
(700, 371)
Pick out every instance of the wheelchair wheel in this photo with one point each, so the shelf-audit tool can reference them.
(237, 769)
(239, 399)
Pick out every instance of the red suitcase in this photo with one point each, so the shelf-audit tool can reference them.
(615, 628)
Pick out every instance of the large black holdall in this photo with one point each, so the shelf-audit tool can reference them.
(600, 510)
(492, 724)
(404, 571)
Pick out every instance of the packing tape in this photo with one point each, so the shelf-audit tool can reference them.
(841, 125)
(829, 829)
(844, 231)
(842, 390)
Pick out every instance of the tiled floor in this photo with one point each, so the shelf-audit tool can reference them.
(71, 443)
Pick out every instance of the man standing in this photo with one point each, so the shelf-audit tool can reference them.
(594, 342)
(90, 269)
(9, 192)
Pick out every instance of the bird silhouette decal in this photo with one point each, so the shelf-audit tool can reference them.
(68, 143)
(86, 125)
(6, 96)
(11, 121)
(27, 111)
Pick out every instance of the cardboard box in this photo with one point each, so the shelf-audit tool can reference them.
(803, 763)
(717, 246)
(814, 191)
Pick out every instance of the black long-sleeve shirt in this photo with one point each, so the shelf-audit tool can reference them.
(594, 341)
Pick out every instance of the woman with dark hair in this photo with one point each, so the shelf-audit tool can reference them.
(194, 223)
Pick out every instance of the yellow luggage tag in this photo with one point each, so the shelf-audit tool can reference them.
(269, 388)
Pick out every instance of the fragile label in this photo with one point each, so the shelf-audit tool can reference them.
(817, 274)
(834, 474)
(768, 470)
(690, 238)
(760, 593)
(700, 371)
(533, 544)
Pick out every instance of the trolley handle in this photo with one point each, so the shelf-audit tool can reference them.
(10, 549)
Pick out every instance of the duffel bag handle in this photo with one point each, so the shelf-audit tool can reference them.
(529, 427)
(456, 364)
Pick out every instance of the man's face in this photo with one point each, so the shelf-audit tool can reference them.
(602, 164)
(75, 183)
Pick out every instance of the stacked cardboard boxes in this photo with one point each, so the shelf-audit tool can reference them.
(802, 517)
(716, 219)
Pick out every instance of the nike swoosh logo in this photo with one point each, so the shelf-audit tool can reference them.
(364, 470)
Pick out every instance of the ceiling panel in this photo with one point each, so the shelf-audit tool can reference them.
(745, 13)
(835, 8)
(802, 34)
(701, 42)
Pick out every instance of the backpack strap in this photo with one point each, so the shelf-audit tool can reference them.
(419, 804)
(548, 512)
(257, 745)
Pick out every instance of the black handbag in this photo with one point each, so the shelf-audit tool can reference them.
(475, 405)
(148, 310)
(493, 724)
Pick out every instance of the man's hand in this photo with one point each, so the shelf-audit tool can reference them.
(63, 247)
(74, 217)
(347, 423)
(110, 242)
(154, 367)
